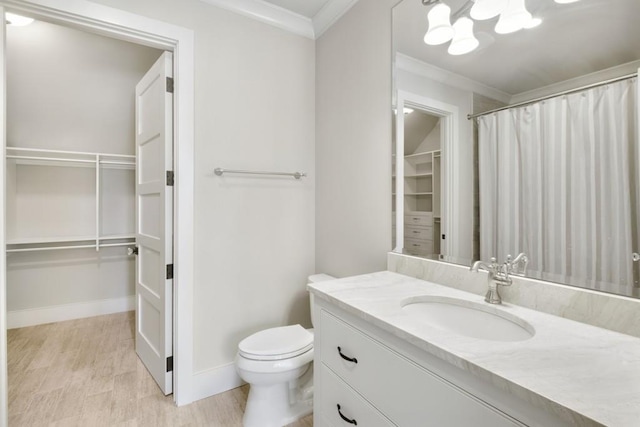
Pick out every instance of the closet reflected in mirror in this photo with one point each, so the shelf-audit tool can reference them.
(421, 182)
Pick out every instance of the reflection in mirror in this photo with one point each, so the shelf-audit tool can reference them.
(544, 155)
(421, 179)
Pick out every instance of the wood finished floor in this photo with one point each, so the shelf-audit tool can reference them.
(86, 373)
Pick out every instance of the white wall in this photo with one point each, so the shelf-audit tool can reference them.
(463, 194)
(72, 90)
(254, 109)
(432, 141)
(353, 141)
(69, 90)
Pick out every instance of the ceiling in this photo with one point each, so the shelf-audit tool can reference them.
(573, 40)
(417, 126)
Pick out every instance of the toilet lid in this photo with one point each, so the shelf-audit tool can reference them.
(276, 343)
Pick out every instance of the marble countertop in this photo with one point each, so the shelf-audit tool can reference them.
(586, 375)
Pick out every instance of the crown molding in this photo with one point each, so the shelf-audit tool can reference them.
(269, 14)
(415, 66)
(285, 19)
(329, 15)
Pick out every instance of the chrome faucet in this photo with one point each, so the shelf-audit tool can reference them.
(500, 274)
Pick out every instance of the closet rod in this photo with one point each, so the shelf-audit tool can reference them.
(83, 153)
(115, 162)
(64, 159)
(113, 245)
(543, 98)
(55, 248)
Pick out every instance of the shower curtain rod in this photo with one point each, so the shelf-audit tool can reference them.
(566, 92)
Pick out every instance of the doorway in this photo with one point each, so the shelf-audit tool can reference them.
(141, 30)
(81, 188)
(426, 173)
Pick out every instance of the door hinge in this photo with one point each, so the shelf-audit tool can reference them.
(170, 178)
(444, 237)
(169, 271)
(170, 84)
(170, 364)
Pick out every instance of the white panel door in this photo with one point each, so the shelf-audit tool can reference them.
(154, 218)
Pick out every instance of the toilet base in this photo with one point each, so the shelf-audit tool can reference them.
(276, 405)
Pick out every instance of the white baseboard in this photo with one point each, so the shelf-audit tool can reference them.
(216, 380)
(59, 313)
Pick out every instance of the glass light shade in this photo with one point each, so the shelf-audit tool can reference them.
(487, 9)
(513, 18)
(566, 1)
(440, 29)
(17, 20)
(533, 23)
(463, 41)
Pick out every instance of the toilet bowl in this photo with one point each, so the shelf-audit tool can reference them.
(278, 365)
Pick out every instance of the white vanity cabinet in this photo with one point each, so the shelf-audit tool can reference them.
(403, 393)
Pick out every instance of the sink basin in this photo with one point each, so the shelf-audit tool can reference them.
(468, 318)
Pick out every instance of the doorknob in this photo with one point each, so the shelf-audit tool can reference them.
(132, 250)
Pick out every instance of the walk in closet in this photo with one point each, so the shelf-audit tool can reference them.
(70, 184)
(422, 184)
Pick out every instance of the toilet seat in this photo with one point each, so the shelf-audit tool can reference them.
(276, 343)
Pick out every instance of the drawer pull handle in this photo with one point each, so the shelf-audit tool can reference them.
(353, 421)
(348, 359)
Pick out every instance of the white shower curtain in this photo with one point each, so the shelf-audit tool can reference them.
(558, 181)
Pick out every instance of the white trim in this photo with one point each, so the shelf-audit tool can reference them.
(60, 313)
(142, 30)
(269, 14)
(330, 13)
(4, 396)
(399, 207)
(216, 380)
(285, 19)
(415, 66)
(450, 215)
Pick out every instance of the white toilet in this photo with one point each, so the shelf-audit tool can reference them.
(278, 365)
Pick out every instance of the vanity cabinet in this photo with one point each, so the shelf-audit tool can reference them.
(354, 369)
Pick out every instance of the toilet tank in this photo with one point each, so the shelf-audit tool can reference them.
(316, 278)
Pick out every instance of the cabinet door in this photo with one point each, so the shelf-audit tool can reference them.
(342, 406)
(403, 391)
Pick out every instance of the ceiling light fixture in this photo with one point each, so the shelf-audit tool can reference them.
(17, 20)
(405, 110)
(463, 41)
(487, 9)
(513, 16)
(440, 29)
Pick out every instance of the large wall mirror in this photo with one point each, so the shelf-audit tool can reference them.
(516, 130)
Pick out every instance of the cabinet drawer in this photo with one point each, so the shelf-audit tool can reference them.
(419, 246)
(419, 218)
(335, 392)
(419, 233)
(406, 393)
